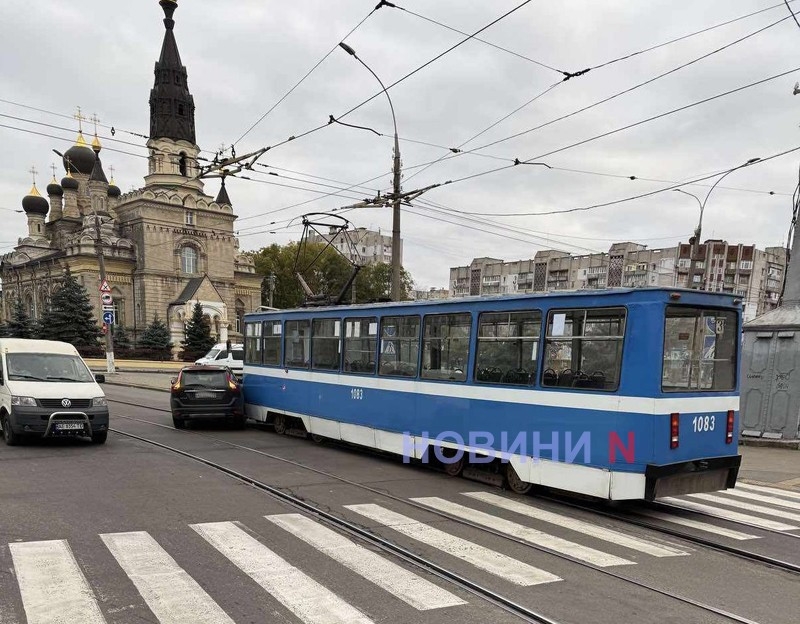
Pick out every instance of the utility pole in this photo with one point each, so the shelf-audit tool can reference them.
(271, 282)
(98, 243)
(397, 266)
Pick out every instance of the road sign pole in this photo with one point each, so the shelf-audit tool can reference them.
(98, 243)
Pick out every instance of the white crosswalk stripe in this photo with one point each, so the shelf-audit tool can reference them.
(527, 534)
(486, 559)
(587, 528)
(732, 502)
(728, 514)
(53, 587)
(770, 500)
(768, 490)
(407, 586)
(306, 598)
(173, 596)
(700, 525)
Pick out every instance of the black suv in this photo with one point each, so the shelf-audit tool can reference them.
(207, 392)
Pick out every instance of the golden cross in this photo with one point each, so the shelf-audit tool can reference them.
(81, 118)
(95, 121)
(53, 168)
(33, 173)
(111, 169)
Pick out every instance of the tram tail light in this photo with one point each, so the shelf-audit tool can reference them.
(729, 428)
(674, 430)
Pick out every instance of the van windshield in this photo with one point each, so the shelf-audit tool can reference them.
(211, 355)
(47, 367)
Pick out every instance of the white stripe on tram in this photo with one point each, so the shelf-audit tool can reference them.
(727, 514)
(768, 490)
(53, 588)
(732, 502)
(479, 556)
(173, 596)
(407, 586)
(601, 533)
(771, 500)
(525, 396)
(697, 524)
(527, 534)
(308, 600)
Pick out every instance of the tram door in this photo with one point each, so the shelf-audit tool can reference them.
(770, 384)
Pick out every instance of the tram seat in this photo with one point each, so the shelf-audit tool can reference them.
(491, 374)
(565, 378)
(518, 376)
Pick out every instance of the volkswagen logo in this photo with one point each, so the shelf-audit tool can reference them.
(66, 403)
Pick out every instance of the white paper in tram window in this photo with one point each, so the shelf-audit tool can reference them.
(336, 329)
(373, 329)
(559, 324)
(357, 330)
(348, 330)
(276, 329)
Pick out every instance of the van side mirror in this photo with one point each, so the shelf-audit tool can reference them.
(172, 381)
(100, 378)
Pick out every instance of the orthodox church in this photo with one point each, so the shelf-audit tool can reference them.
(166, 245)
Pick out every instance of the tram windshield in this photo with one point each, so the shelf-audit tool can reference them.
(700, 350)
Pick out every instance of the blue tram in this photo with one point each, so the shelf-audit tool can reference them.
(618, 394)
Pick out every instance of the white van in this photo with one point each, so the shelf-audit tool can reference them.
(219, 356)
(46, 389)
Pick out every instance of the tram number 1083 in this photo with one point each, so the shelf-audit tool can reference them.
(703, 423)
(357, 394)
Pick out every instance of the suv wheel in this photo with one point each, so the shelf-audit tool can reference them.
(178, 423)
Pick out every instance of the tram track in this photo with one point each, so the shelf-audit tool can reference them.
(530, 615)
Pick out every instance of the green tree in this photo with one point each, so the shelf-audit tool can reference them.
(20, 325)
(374, 283)
(198, 335)
(70, 317)
(121, 339)
(324, 270)
(156, 339)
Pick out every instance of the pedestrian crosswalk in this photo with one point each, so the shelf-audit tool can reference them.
(55, 587)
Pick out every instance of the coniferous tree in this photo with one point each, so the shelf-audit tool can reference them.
(20, 325)
(121, 339)
(70, 317)
(156, 338)
(198, 335)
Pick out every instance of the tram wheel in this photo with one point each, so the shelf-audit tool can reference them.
(279, 422)
(515, 484)
(455, 468)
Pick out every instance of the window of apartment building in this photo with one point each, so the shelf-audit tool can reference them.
(700, 264)
(684, 263)
(326, 344)
(508, 347)
(746, 264)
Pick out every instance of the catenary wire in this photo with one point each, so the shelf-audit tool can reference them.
(792, 12)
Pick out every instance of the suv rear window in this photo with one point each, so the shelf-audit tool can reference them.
(205, 379)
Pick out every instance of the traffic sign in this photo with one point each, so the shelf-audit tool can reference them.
(104, 287)
(108, 318)
(106, 298)
(108, 307)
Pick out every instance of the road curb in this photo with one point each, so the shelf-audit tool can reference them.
(137, 386)
(792, 445)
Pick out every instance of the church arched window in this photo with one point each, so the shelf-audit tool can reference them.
(182, 164)
(188, 259)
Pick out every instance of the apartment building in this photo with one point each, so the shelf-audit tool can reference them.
(430, 294)
(370, 247)
(753, 274)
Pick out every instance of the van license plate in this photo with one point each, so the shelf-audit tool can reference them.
(68, 426)
(205, 395)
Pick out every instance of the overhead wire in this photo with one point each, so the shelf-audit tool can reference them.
(792, 12)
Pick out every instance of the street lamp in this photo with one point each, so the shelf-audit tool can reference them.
(699, 229)
(396, 264)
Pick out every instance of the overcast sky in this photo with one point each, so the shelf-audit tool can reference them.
(243, 56)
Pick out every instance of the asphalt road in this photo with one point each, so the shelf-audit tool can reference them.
(129, 532)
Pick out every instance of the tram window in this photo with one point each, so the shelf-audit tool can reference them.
(326, 344)
(297, 344)
(360, 345)
(252, 343)
(445, 346)
(699, 350)
(583, 349)
(272, 343)
(508, 347)
(399, 348)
